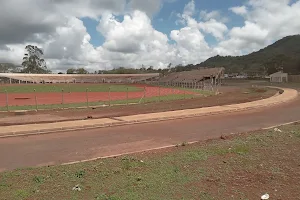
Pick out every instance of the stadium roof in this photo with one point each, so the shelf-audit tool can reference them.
(76, 77)
(193, 76)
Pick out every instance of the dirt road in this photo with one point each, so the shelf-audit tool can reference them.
(81, 145)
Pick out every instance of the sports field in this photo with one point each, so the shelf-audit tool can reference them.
(45, 88)
(53, 96)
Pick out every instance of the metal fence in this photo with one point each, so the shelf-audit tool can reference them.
(67, 99)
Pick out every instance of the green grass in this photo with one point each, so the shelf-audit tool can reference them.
(172, 97)
(68, 88)
(184, 172)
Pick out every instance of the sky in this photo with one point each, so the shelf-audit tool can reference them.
(105, 34)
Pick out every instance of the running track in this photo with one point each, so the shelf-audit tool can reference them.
(58, 148)
(20, 99)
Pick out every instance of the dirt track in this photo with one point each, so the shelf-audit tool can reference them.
(20, 99)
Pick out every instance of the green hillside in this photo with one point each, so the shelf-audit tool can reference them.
(284, 53)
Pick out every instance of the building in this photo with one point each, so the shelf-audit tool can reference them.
(200, 77)
(279, 77)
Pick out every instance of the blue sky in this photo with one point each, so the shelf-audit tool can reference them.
(164, 20)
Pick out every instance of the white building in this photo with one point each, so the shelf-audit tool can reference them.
(279, 77)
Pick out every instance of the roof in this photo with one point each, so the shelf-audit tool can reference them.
(192, 76)
(71, 77)
(279, 73)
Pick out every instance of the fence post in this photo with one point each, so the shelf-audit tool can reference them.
(127, 97)
(69, 87)
(62, 98)
(6, 94)
(109, 98)
(144, 94)
(87, 97)
(158, 93)
(35, 99)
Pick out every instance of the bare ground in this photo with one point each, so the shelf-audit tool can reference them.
(243, 166)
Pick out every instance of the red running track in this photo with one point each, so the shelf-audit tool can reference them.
(19, 99)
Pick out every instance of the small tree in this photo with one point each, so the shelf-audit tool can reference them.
(71, 71)
(33, 61)
(81, 71)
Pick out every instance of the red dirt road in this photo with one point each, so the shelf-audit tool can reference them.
(65, 147)
(18, 99)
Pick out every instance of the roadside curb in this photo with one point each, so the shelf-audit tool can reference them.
(286, 96)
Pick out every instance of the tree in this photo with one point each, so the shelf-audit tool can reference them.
(71, 71)
(33, 61)
(60, 73)
(77, 71)
(81, 71)
(150, 68)
(143, 68)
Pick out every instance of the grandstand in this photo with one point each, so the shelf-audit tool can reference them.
(74, 78)
(199, 78)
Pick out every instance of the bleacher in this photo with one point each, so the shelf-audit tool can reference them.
(193, 76)
(78, 78)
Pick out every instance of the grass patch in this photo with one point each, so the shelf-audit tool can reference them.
(244, 167)
(38, 179)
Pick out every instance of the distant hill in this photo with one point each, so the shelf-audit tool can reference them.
(284, 53)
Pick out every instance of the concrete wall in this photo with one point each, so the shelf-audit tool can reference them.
(279, 78)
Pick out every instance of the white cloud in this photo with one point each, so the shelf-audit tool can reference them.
(149, 7)
(191, 45)
(265, 22)
(134, 41)
(217, 29)
(239, 10)
(189, 8)
(215, 14)
(209, 15)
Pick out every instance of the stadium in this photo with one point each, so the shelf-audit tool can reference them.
(21, 91)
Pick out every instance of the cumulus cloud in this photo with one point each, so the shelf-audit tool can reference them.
(130, 39)
(149, 7)
(191, 45)
(217, 29)
(189, 8)
(210, 22)
(134, 41)
(239, 10)
(265, 22)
